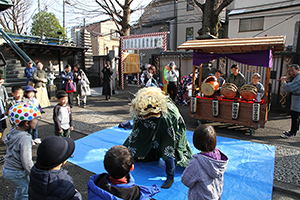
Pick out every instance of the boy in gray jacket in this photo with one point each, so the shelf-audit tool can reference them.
(204, 174)
(18, 159)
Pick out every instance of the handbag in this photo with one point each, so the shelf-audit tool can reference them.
(71, 87)
(85, 90)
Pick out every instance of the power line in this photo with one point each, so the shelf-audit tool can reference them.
(277, 24)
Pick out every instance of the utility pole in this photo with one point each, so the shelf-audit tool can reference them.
(39, 5)
(64, 15)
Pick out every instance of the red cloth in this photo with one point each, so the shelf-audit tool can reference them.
(117, 181)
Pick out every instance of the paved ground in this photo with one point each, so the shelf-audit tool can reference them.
(101, 114)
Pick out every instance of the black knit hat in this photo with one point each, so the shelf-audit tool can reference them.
(171, 64)
(53, 151)
(61, 93)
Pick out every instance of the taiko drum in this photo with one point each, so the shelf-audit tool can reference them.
(210, 86)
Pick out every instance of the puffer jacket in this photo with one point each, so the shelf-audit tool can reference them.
(131, 189)
(51, 185)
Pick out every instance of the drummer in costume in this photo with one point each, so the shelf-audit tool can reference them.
(158, 131)
(236, 77)
(255, 82)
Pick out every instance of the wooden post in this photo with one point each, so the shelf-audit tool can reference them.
(193, 86)
(267, 82)
(138, 74)
(200, 77)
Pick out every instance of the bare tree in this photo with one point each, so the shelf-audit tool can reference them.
(14, 19)
(211, 10)
(119, 13)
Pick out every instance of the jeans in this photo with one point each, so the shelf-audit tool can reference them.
(170, 168)
(34, 132)
(170, 164)
(20, 181)
(295, 122)
(70, 99)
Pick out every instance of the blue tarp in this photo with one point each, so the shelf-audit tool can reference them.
(249, 174)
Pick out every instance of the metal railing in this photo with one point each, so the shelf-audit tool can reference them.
(15, 47)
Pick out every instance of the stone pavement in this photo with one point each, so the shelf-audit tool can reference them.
(101, 114)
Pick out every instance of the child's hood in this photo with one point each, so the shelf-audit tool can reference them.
(14, 135)
(50, 182)
(214, 168)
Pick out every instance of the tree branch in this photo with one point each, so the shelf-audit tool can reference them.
(200, 5)
(130, 2)
(119, 4)
(109, 13)
(114, 9)
(108, 10)
(224, 4)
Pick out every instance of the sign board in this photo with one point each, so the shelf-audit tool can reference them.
(131, 63)
(151, 42)
(135, 42)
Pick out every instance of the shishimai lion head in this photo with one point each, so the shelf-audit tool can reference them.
(149, 102)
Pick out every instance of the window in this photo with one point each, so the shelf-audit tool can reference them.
(189, 33)
(189, 5)
(253, 24)
(114, 35)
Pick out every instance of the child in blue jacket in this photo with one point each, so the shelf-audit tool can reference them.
(118, 183)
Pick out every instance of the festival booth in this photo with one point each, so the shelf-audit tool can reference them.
(249, 112)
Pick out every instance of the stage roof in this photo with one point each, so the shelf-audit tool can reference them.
(236, 45)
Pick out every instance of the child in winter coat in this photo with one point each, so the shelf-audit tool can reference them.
(29, 93)
(18, 159)
(48, 180)
(204, 174)
(118, 183)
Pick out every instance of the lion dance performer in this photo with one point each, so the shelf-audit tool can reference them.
(158, 131)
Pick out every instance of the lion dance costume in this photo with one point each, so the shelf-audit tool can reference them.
(158, 131)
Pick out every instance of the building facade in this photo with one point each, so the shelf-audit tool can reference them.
(103, 34)
(260, 18)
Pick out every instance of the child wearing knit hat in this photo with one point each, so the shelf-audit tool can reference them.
(48, 180)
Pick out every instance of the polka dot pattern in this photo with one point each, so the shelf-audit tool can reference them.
(23, 112)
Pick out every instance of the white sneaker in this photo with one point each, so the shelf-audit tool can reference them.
(37, 141)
